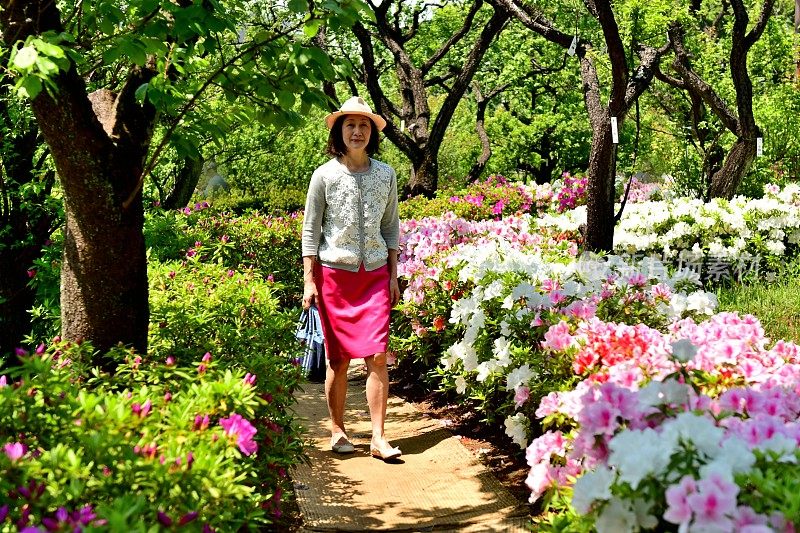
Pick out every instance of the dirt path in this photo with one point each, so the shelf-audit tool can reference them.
(437, 486)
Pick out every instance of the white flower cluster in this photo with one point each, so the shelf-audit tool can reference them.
(524, 284)
(689, 230)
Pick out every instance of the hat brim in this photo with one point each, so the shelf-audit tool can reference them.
(379, 121)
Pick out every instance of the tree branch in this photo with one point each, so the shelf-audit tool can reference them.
(695, 83)
(440, 53)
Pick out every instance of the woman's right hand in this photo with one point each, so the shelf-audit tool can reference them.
(309, 294)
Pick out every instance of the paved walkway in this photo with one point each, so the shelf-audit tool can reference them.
(437, 486)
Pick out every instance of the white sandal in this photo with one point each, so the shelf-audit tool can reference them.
(342, 444)
(385, 451)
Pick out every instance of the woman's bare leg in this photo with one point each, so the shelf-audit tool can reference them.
(336, 393)
(377, 393)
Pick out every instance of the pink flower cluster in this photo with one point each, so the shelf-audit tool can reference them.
(636, 383)
(426, 244)
(641, 191)
(242, 431)
(572, 193)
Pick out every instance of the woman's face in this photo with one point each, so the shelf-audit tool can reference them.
(356, 130)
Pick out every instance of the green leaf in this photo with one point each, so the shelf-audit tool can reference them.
(111, 54)
(25, 57)
(48, 49)
(286, 99)
(134, 50)
(46, 66)
(29, 86)
(298, 6)
(106, 26)
(311, 28)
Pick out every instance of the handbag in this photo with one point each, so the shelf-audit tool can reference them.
(309, 333)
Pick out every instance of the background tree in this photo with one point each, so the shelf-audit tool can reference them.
(739, 121)
(623, 92)
(111, 72)
(411, 124)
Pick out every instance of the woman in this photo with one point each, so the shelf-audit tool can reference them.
(350, 239)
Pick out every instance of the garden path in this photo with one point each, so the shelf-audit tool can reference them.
(437, 486)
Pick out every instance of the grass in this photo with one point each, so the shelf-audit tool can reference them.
(776, 303)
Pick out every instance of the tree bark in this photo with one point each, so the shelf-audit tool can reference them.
(185, 182)
(600, 203)
(740, 157)
(623, 93)
(424, 177)
(482, 101)
(99, 160)
(740, 122)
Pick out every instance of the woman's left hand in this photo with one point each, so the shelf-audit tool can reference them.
(394, 291)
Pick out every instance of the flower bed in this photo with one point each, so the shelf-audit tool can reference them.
(694, 429)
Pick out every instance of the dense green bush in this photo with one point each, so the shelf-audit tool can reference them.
(205, 306)
(274, 200)
(268, 244)
(158, 443)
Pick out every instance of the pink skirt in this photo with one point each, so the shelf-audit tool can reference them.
(354, 308)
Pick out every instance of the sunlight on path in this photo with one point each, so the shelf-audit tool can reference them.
(438, 486)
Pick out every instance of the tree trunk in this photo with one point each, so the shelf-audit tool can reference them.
(424, 178)
(600, 205)
(725, 181)
(98, 147)
(185, 182)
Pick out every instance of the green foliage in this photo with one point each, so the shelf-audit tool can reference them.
(127, 448)
(773, 485)
(45, 280)
(774, 303)
(268, 245)
(274, 200)
(259, 159)
(206, 306)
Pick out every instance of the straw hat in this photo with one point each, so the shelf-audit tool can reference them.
(356, 106)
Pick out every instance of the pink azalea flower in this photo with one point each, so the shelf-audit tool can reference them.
(678, 509)
(242, 430)
(714, 502)
(521, 396)
(15, 450)
(558, 337)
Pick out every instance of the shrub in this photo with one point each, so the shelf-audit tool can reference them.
(276, 200)
(160, 443)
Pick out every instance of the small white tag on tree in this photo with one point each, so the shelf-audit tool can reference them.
(614, 133)
(759, 146)
(573, 46)
(402, 125)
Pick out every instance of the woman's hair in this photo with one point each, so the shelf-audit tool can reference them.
(336, 146)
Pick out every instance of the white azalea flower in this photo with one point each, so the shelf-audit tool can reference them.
(683, 350)
(519, 376)
(517, 429)
(638, 453)
(461, 385)
(592, 486)
(502, 351)
(616, 517)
